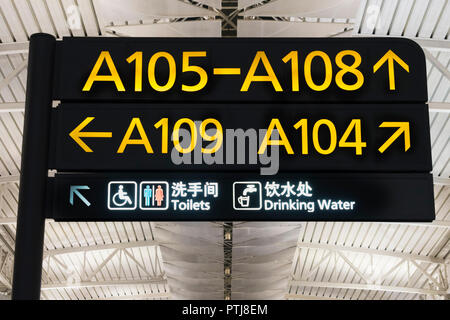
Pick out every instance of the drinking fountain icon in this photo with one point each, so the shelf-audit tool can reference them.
(244, 200)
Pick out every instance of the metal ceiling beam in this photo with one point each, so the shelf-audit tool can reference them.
(307, 297)
(93, 284)
(439, 107)
(441, 181)
(5, 281)
(154, 295)
(92, 274)
(433, 44)
(3, 278)
(443, 69)
(436, 224)
(18, 106)
(12, 107)
(13, 48)
(8, 220)
(99, 247)
(399, 255)
(9, 179)
(430, 44)
(360, 286)
(5, 81)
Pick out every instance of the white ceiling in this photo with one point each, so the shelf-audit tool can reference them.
(142, 260)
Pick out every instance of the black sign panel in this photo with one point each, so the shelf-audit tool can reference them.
(314, 137)
(245, 69)
(165, 196)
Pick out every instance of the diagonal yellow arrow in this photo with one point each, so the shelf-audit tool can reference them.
(390, 57)
(403, 127)
(76, 134)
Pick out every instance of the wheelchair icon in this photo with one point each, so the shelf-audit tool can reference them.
(121, 198)
(122, 195)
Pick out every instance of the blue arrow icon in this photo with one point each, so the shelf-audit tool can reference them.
(74, 190)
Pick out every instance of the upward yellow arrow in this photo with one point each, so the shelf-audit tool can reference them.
(76, 134)
(390, 57)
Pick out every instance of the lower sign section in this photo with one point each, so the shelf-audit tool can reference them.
(241, 197)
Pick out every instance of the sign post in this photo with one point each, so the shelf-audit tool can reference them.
(34, 168)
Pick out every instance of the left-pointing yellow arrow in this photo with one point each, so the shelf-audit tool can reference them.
(403, 127)
(76, 134)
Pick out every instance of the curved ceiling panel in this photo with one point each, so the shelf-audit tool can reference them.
(133, 11)
(263, 28)
(178, 29)
(312, 9)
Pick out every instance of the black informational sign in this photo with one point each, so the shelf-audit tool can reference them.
(175, 129)
(251, 70)
(169, 196)
(310, 137)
